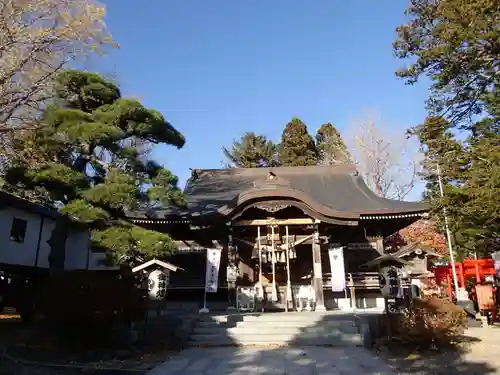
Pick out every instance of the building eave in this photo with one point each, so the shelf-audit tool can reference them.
(9, 200)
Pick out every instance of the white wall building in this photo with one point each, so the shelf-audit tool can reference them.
(25, 228)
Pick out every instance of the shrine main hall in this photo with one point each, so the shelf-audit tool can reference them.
(281, 230)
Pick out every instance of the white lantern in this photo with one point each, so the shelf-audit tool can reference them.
(157, 284)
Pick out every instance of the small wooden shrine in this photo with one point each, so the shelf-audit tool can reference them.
(276, 228)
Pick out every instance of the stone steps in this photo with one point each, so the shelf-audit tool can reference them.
(275, 326)
(273, 339)
(290, 332)
(310, 325)
(306, 328)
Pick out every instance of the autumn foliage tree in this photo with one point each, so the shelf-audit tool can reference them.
(423, 232)
(86, 166)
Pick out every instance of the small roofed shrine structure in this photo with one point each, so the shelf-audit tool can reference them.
(277, 228)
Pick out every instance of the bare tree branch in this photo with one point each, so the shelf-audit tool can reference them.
(388, 163)
(37, 38)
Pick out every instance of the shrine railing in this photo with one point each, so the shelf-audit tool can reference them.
(362, 280)
(194, 282)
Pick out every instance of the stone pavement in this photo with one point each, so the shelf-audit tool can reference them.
(274, 361)
(479, 355)
(487, 349)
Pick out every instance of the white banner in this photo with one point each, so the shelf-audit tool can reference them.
(337, 268)
(212, 275)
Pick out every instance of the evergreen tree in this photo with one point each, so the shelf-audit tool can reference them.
(297, 147)
(475, 204)
(330, 146)
(471, 180)
(251, 151)
(456, 43)
(82, 160)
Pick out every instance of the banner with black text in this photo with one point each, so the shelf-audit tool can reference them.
(337, 268)
(213, 266)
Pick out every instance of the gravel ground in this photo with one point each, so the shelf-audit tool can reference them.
(23, 343)
(30, 370)
(480, 356)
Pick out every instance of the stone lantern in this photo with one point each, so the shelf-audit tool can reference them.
(391, 277)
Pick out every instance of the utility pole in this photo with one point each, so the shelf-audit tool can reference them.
(448, 236)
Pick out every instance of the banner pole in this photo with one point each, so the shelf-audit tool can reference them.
(289, 297)
(274, 294)
(204, 309)
(261, 291)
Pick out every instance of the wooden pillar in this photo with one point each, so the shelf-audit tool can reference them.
(232, 269)
(317, 271)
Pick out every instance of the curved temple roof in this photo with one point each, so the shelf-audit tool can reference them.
(332, 191)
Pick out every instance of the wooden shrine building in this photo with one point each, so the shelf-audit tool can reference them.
(275, 227)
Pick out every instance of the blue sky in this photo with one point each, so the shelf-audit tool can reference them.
(218, 68)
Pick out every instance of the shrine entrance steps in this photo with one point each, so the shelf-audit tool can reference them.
(280, 328)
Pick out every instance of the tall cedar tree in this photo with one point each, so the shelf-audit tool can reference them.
(85, 165)
(297, 147)
(471, 177)
(475, 204)
(330, 147)
(456, 43)
(251, 151)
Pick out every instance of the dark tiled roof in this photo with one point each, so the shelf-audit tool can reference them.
(387, 259)
(408, 249)
(336, 191)
(396, 257)
(10, 200)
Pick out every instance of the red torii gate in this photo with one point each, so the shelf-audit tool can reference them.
(467, 270)
(484, 291)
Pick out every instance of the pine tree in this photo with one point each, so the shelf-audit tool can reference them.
(252, 151)
(330, 146)
(297, 147)
(456, 43)
(85, 165)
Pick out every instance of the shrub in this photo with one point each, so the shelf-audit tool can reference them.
(429, 323)
(86, 296)
(90, 306)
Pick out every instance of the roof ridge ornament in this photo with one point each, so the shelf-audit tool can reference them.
(195, 173)
(272, 181)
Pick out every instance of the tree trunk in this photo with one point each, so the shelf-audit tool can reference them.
(57, 242)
